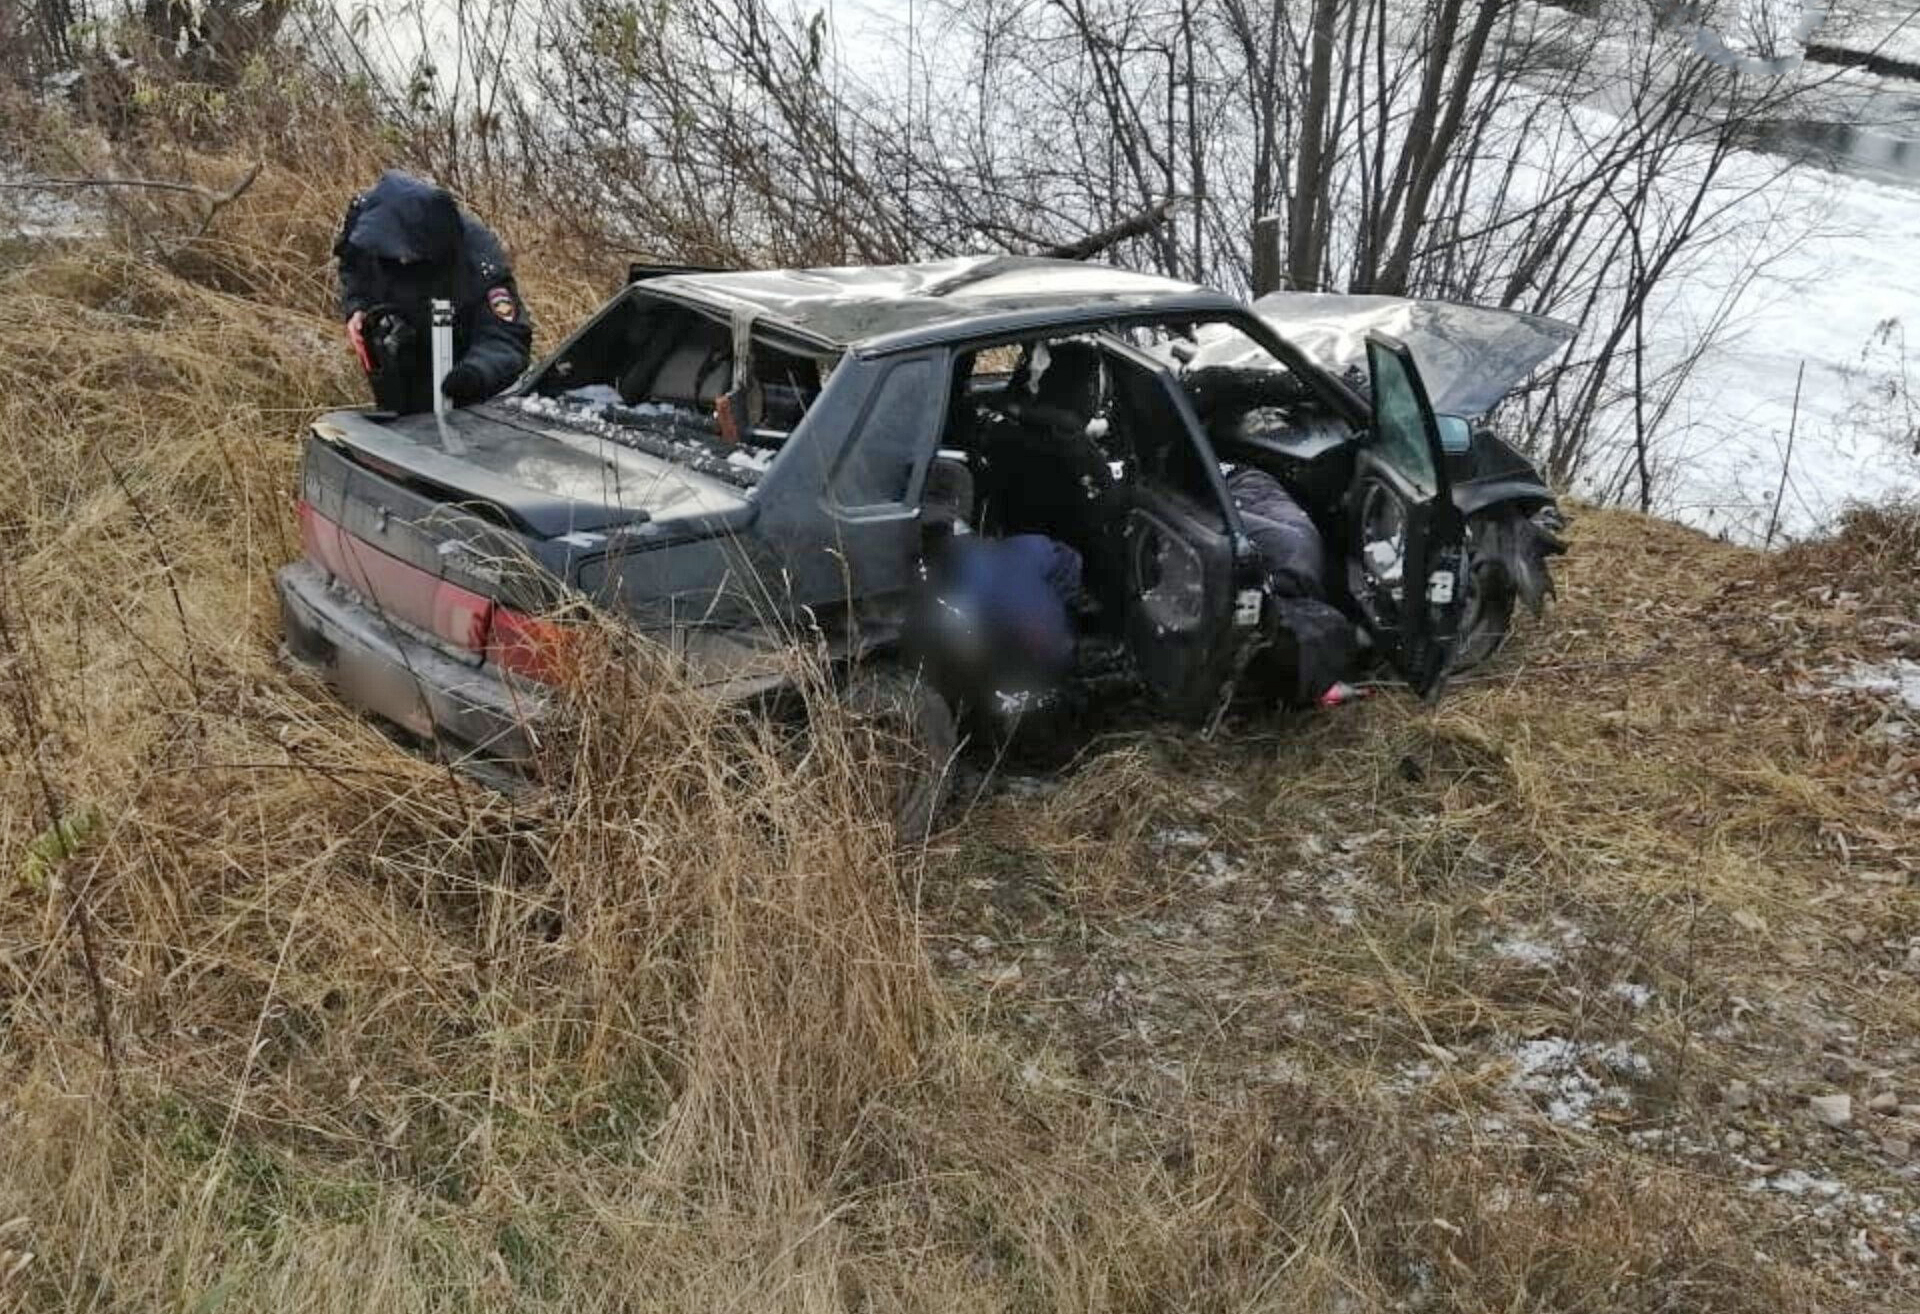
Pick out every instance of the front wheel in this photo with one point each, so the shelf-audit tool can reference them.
(1507, 557)
(1486, 622)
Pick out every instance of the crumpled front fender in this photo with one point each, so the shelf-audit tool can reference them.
(1522, 545)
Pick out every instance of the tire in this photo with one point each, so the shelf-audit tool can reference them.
(907, 726)
(1487, 622)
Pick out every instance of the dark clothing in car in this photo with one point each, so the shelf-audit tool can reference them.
(404, 243)
(994, 623)
(1018, 591)
(1315, 647)
(1288, 540)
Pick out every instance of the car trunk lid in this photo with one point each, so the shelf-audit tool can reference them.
(532, 470)
(466, 533)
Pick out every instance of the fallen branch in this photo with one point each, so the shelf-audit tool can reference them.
(1145, 221)
(212, 202)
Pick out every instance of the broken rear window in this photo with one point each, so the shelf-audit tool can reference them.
(662, 378)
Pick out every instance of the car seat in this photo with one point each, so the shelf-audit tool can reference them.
(1041, 472)
(682, 360)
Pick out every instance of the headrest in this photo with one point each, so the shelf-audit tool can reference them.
(1069, 380)
(948, 498)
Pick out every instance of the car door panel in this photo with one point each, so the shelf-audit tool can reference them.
(1179, 591)
(1177, 545)
(1407, 551)
(841, 541)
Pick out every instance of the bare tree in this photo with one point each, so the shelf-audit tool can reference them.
(1567, 161)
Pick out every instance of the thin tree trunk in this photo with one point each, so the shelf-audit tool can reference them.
(1306, 234)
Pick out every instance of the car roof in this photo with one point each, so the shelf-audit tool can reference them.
(878, 308)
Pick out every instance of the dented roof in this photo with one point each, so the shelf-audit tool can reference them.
(891, 307)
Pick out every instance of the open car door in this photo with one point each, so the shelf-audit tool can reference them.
(1405, 565)
(1176, 535)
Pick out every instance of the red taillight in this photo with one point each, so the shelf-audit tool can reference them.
(459, 616)
(538, 649)
(526, 645)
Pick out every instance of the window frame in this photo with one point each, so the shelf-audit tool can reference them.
(932, 412)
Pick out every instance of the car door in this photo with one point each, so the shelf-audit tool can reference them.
(1176, 535)
(839, 514)
(1406, 559)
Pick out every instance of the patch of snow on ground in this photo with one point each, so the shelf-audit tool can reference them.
(1573, 1077)
(1635, 994)
(39, 216)
(1898, 679)
(1828, 1195)
(1796, 1181)
(1539, 949)
(1532, 953)
(1567, 1079)
(1410, 1077)
(1217, 869)
(1179, 837)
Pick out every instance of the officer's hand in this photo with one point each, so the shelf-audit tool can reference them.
(357, 339)
(463, 384)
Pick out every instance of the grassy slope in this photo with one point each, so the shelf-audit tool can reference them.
(1392, 1007)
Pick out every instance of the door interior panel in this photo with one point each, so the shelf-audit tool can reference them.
(1179, 582)
(1407, 551)
(1177, 540)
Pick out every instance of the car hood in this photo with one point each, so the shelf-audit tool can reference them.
(1469, 356)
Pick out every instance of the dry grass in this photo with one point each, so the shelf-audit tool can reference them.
(1270, 1022)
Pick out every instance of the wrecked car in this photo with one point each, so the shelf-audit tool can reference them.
(735, 462)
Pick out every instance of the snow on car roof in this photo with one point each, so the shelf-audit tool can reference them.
(895, 306)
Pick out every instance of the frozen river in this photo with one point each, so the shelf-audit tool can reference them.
(1836, 293)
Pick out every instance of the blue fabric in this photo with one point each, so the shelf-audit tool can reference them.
(1017, 589)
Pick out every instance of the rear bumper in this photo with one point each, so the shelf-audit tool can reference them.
(377, 666)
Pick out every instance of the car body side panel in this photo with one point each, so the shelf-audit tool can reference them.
(839, 566)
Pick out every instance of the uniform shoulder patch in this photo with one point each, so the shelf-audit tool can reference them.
(500, 300)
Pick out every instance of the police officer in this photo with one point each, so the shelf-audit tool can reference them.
(404, 244)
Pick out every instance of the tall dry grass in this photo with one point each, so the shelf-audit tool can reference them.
(691, 1035)
(372, 1032)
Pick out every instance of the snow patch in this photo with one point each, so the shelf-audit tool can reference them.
(1217, 869)
(1521, 949)
(1635, 994)
(41, 216)
(1179, 837)
(1573, 1078)
(1539, 948)
(1898, 680)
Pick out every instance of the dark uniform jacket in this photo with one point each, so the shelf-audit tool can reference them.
(405, 242)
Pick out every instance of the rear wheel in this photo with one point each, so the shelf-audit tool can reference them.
(904, 728)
